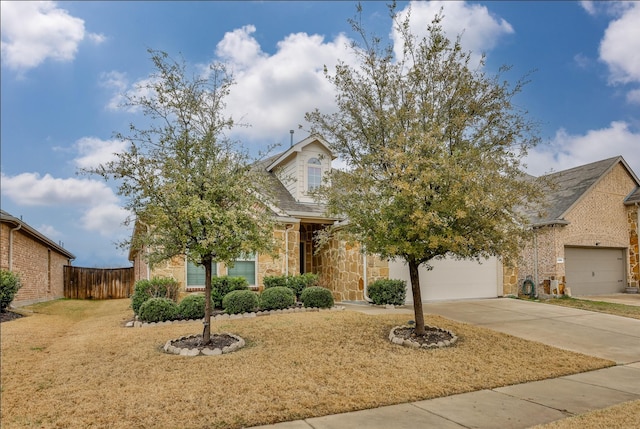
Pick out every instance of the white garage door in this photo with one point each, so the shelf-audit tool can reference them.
(594, 271)
(452, 279)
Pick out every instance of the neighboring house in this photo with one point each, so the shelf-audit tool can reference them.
(35, 258)
(587, 238)
(340, 265)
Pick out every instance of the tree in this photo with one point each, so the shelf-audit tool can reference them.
(434, 152)
(190, 185)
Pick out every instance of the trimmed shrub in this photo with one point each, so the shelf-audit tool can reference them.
(154, 288)
(274, 281)
(316, 296)
(276, 298)
(296, 283)
(389, 291)
(240, 301)
(158, 310)
(192, 307)
(221, 286)
(9, 285)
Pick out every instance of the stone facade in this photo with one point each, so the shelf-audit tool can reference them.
(342, 269)
(598, 219)
(39, 265)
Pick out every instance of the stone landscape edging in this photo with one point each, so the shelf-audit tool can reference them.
(395, 339)
(171, 349)
(140, 324)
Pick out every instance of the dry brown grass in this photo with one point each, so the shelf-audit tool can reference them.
(73, 364)
(622, 416)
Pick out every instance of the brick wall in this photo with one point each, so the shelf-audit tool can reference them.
(40, 268)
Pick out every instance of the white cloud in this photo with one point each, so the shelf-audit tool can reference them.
(633, 97)
(30, 189)
(589, 7)
(620, 46)
(49, 231)
(117, 82)
(94, 151)
(35, 31)
(106, 219)
(239, 47)
(567, 150)
(479, 29)
(272, 93)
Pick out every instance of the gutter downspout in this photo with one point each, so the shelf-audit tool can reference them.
(11, 246)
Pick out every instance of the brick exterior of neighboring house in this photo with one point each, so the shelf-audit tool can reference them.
(38, 261)
(590, 207)
(341, 266)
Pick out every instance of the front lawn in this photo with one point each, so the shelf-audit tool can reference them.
(72, 364)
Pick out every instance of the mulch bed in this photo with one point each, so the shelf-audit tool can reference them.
(217, 341)
(7, 316)
(431, 336)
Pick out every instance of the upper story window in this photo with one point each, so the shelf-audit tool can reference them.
(314, 174)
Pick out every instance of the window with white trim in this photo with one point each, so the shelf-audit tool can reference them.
(196, 274)
(245, 267)
(314, 174)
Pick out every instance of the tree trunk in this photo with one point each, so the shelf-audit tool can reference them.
(206, 332)
(417, 297)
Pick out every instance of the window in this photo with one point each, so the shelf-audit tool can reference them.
(314, 174)
(244, 268)
(195, 274)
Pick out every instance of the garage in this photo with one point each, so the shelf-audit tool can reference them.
(594, 271)
(453, 279)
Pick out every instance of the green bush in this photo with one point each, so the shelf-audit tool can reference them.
(274, 281)
(158, 310)
(296, 283)
(276, 298)
(221, 286)
(154, 288)
(9, 285)
(389, 291)
(240, 301)
(192, 307)
(316, 296)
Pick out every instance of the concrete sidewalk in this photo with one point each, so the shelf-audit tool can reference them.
(523, 405)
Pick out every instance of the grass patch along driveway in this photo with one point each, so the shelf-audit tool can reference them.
(72, 364)
(598, 306)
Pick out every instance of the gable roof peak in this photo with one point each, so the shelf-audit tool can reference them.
(298, 147)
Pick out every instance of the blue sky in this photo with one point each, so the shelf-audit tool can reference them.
(65, 64)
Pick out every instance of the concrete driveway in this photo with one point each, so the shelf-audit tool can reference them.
(596, 334)
(523, 405)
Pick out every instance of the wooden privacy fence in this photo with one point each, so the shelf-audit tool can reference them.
(98, 283)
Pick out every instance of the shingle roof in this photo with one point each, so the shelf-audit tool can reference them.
(7, 218)
(566, 187)
(283, 199)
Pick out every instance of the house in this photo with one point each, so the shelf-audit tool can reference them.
(38, 261)
(340, 265)
(586, 241)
